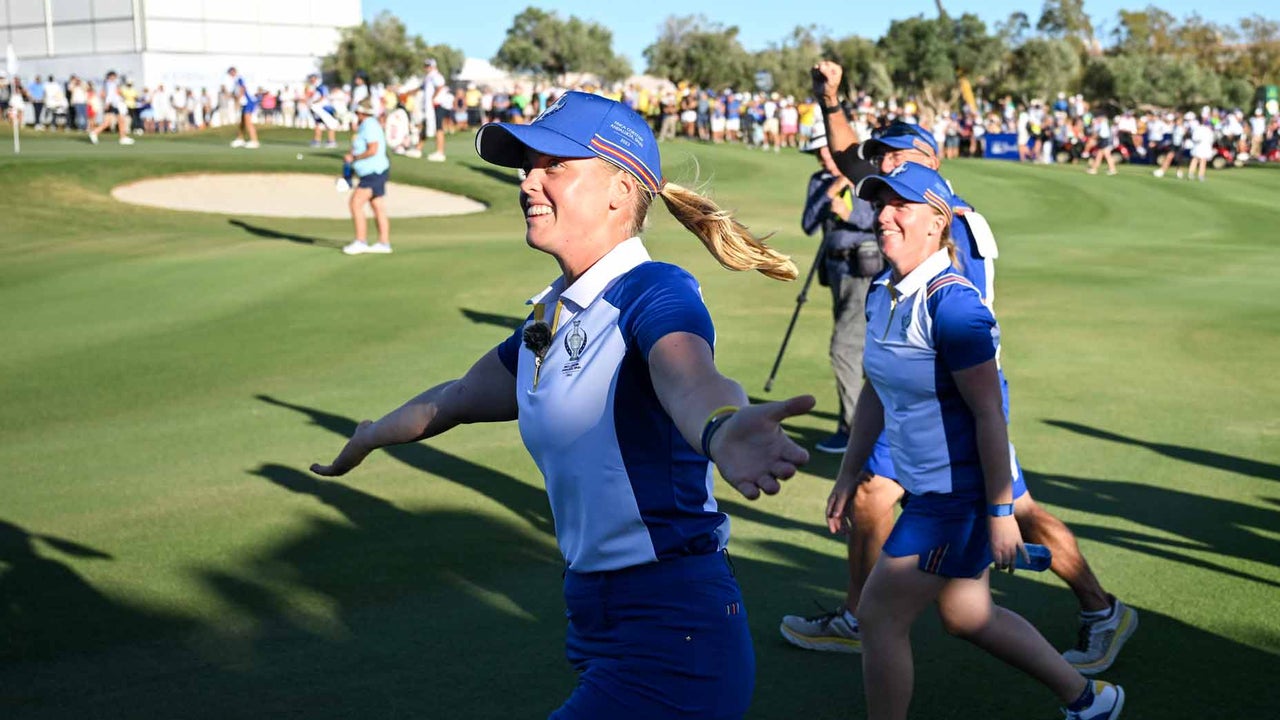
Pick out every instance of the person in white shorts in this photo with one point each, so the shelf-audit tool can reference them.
(113, 110)
(1202, 138)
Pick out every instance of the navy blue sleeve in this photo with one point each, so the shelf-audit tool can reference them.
(816, 204)
(657, 299)
(509, 349)
(965, 332)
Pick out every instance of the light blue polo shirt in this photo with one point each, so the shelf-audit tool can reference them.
(370, 131)
(625, 488)
(919, 330)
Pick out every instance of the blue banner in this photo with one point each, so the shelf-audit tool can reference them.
(1000, 146)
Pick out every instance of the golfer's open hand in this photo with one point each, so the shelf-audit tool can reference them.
(353, 453)
(753, 453)
(839, 502)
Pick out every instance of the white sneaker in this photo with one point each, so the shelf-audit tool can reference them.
(237, 143)
(331, 145)
(1108, 701)
(1092, 171)
(413, 153)
(355, 247)
(93, 138)
(341, 185)
(436, 157)
(1158, 172)
(251, 145)
(379, 248)
(1100, 640)
(126, 140)
(834, 631)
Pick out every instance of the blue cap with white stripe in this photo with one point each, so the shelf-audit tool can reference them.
(579, 125)
(899, 136)
(914, 183)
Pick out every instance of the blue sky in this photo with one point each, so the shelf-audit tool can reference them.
(478, 30)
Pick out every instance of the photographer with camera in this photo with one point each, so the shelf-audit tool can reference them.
(846, 264)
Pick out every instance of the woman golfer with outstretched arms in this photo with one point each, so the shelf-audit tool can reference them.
(619, 402)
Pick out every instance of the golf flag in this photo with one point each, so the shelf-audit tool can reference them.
(11, 68)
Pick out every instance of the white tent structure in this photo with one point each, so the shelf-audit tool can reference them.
(175, 42)
(482, 72)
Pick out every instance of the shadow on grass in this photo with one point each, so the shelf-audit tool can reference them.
(509, 322)
(1208, 458)
(45, 606)
(366, 609)
(1187, 525)
(525, 500)
(270, 234)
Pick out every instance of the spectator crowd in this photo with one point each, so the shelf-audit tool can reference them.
(1068, 129)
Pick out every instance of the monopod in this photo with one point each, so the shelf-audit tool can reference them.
(801, 299)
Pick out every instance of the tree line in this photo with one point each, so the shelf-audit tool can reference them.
(1148, 57)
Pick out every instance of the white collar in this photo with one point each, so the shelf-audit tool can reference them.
(623, 258)
(918, 278)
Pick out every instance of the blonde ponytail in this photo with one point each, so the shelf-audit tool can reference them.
(728, 241)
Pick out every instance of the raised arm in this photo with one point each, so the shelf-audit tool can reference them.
(487, 393)
(826, 76)
(750, 449)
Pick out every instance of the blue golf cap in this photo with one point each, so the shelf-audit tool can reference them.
(579, 125)
(899, 136)
(914, 183)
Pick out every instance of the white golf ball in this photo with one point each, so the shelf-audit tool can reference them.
(299, 156)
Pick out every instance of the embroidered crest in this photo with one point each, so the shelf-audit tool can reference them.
(552, 109)
(575, 341)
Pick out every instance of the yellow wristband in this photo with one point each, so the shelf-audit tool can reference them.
(720, 411)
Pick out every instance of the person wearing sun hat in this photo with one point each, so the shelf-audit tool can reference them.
(621, 406)
(934, 388)
(369, 162)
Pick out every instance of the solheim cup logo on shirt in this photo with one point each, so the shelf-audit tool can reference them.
(575, 342)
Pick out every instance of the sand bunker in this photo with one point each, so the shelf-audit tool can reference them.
(288, 195)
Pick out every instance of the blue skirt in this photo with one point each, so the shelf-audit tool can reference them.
(948, 534)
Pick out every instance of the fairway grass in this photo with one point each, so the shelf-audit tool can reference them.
(167, 377)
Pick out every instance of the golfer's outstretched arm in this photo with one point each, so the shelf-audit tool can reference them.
(750, 450)
(487, 393)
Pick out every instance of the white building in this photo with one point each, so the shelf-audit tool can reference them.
(175, 42)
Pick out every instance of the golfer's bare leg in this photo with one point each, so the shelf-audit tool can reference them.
(872, 519)
(1038, 526)
(897, 591)
(358, 199)
(967, 611)
(381, 219)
